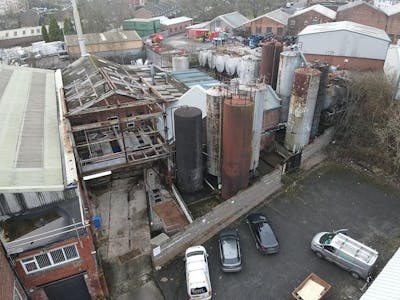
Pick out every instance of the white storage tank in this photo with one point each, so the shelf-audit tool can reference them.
(180, 63)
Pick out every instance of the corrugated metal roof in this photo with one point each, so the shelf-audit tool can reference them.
(103, 38)
(199, 26)
(392, 10)
(277, 15)
(194, 77)
(387, 284)
(29, 136)
(234, 19)
(319, 9)
(173, 21)
(355, 4)
(346, 26)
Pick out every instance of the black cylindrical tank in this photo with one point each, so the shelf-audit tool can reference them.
(189, 160)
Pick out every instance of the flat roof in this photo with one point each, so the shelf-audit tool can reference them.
(193, 77)
(29, 134)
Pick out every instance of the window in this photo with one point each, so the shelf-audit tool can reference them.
(269, 29)
(315, 21)
(391, 36)
(38, 30)
(279, 31)
(292, 22)
(305, 23)
(258, 29)
(15, 33)
(6, 34)
(23, 32)
(50, 259)
(32, 31)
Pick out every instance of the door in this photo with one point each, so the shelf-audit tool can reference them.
(73, 288)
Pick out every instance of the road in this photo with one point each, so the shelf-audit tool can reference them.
(330, 198)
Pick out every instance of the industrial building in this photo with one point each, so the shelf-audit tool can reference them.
(44, 227)
(348, 45)
(120, 46)
(143, 27)
(169, 9)
(363, 13)
(175, 25)
(316, 14)
(227, 23)
(274, 21)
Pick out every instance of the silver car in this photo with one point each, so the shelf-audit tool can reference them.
(229, 250)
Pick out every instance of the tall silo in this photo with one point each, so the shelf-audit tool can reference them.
(277, 54)
(301, 109)
(324, 68)
(237, 127)
(267, 62)
(215, 96)
(189, 157)
(289, 62)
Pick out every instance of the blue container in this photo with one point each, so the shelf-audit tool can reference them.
(97, 221)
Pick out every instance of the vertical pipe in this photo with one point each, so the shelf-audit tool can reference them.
(81, 39)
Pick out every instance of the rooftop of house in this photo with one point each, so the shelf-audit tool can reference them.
(392, 10)
(234, 19)
(29, 132)
(355, 4)
(327, 12)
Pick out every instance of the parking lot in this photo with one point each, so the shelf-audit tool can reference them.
(330, 198)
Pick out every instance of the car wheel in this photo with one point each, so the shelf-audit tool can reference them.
(319, 254)
(355, 275)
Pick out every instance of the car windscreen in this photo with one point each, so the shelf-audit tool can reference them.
(194, 253)
(326, 238)
(198, 291)
(229, 249)
(266, 234)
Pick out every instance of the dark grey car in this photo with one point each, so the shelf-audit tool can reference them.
(229, 250)
(266, 241)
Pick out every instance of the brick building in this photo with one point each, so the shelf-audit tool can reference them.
(175, 25)
(316, 14)
(44, 228)
(393, 22)
(10, 287)
(362, 13)
(275, 21)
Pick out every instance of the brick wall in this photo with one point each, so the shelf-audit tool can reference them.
(363, 14)
(270, 119)
(263, 24)
(298, 23)
(393, 27)
(85, 264)
(176, 28)
(7, 277)
(353, 63)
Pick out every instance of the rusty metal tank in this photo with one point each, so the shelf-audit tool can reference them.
(277, 53)
(289, 62)
(215, 96)
(267, 62)
(237, 128)
(301, 109)
(188, 144)
(324, 68)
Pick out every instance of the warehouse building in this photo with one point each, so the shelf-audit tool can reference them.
(393, 22)
(274, 21)
(345, 44)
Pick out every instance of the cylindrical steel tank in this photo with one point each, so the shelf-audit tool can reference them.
(180, 63)
(248, 69)
(277, 53)
(289, 61)
(220, 62)
(189, 157)
(267, 62)
(324, 69)
(237, 128)
(211, 60)
(301, 109)
(231, 65)
(203, 54)
(215, 96)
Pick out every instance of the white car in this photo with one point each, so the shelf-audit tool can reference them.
(197, 276)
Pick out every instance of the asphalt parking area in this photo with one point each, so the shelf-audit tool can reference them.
(329, 198)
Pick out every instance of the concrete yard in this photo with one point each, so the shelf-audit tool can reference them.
(331, 197)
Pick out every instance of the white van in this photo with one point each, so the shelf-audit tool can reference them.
(346, 252)
(197, 275)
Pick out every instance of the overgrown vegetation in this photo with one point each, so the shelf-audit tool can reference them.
(369, 128)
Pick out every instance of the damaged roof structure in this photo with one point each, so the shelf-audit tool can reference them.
(113, 113)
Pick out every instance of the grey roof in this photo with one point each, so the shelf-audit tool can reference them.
(392, 10)
(346, 26)
(29, 134)
(234, 19)
(355, 4)
(386, 284)
(192, 77)
(319, 9)
(277, 15)
(104, 38)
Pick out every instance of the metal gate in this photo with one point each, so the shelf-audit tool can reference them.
(73, 288)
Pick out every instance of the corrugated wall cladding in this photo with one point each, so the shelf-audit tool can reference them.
(237, 127)
(11, 203)
(188, 143)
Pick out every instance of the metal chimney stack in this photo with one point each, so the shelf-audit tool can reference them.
(81, 39)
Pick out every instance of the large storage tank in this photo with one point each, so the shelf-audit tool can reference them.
(267, 62)
(277, 54)
(189, 162)
(324, 68)
(248, 69)
(203, 57)
(211, 60)
(289, 62)
(215, 96)
(180, 63)
(231, 65)
(237, 128)
(301, 109)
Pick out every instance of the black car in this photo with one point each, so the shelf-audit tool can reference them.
(229, 250)
(266, 241)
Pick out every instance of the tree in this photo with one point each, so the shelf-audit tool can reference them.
(68, 27)
(55, 33)
(45, 34)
